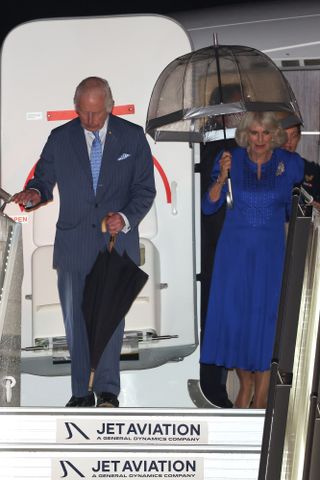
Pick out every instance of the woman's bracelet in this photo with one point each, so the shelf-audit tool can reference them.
(218, 180)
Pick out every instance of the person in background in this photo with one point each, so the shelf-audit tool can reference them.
(246, 281)
(311, 180)
(103, 168)
(213, 378)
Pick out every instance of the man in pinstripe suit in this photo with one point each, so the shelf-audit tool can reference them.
(124, 192)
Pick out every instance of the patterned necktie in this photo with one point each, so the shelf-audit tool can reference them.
(95, 159)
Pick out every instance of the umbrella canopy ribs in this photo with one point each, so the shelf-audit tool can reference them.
(200, 96)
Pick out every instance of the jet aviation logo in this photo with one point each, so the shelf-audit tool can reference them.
(75, 430)
(70, 426)
(67, 466)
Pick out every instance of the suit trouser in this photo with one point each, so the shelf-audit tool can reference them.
(107, 375)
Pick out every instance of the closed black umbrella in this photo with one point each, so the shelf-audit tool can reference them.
(110, 289)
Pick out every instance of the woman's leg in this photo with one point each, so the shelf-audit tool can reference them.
(245, 392)
(261, 388)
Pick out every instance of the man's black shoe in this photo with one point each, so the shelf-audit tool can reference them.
(107, 400)
(87, 401)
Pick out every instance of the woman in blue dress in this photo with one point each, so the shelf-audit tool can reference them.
(247, 273)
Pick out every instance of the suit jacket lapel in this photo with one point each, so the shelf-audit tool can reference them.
(112, 148)
(79, 142)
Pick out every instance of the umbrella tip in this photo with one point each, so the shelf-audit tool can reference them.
(215, 39)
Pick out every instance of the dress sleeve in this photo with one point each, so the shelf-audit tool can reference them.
(208, 207)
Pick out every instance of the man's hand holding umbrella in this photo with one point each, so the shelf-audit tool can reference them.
(112, 223)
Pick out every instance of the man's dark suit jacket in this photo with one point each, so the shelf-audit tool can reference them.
(126, 184)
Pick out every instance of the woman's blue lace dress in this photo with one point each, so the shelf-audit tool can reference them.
(246, 282)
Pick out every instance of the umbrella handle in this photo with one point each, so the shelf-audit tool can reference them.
(229, 193)
(104, 224)
(91, 379)
(112, 242)
(104, 229)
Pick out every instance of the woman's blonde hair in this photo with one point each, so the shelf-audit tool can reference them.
(267, 120)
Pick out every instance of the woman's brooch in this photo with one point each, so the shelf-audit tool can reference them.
(280, 169)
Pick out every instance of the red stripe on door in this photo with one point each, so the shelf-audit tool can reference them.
(56, 115)
(164, 179)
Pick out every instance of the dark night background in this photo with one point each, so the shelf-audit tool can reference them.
(17, 12)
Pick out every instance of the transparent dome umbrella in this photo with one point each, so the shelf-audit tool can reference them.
(201, 96)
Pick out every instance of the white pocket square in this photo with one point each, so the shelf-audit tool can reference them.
(123, 156)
